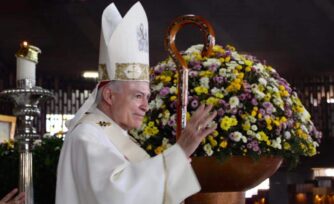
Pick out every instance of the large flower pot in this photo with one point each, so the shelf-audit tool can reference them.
(237, 173)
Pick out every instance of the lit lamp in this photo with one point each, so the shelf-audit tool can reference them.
(26, 60)
(26, 98)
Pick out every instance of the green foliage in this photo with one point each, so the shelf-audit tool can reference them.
(45, 160)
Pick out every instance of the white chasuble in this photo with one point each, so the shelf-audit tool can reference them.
(100, 164)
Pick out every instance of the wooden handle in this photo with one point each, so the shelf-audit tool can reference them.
(182, 67)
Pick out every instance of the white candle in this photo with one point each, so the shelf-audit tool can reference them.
(26, 60)
(25, 69)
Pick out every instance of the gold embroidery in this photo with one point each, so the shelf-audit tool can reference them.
(103, 123)
(103, 74)
(132, 71)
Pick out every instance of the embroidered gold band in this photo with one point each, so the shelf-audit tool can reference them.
(103, 74)
(132, 71)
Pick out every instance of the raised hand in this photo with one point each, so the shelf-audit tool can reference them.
(197, 129)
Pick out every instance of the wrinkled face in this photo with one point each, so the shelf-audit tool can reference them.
(130, 104)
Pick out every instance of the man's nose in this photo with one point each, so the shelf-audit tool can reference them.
(144, 105)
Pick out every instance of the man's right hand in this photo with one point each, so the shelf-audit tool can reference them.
(197, 129)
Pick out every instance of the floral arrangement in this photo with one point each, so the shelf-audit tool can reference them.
(258, 112)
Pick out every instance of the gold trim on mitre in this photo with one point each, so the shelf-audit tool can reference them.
(103, 73)
(28, 52)
(132, 71)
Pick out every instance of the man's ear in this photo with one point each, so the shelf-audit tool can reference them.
(107, 95)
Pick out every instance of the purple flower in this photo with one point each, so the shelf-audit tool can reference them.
(193, 74)
(269, 107)
(242, 97)
(288, 112)
(218, 79)
(171, 122)
(213, 67)
(194, 103)
(254, 102)
(234, 111)
(262, 111)
(164, 91)
(195, 65)
(220, 112)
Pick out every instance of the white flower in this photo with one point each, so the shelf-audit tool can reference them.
(259, 67)
(173, 90)
(208, 149)
(276, 143)
(151, 105)
(157, 87)
(254, 127)
(231, 65)
(195, 48)
(215, 90)
(165, 143)
(234, 101)
(205, 82)
(244, 139)
(287, 135)
(236, 136)
(275, 89)
(222, 72)
(251, 133)
(158, 102)
(212, 61)
(278, 102)
(304, 116)
(262, 81)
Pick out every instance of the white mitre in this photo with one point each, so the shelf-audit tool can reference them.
(123, 52)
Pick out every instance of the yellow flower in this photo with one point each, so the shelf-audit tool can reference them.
(223, 144)
(149, 147)
(212, 141)
(267, 97)
(246, 125)
(212, 100)
(187, 116)
(151, 130)
(219, 95)
(206, 73)
(159, 150)
(234, 86)
(172, 98)
(248, 69)
(230, 47)
(218, 48)
(200, 90)
(248, 63)
(286, 146)
(227, 122)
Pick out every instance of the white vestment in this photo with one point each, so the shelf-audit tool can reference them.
(101, 164)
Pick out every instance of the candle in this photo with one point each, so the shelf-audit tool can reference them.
(26, 60)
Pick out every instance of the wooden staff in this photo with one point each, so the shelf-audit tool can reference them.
(182, 67)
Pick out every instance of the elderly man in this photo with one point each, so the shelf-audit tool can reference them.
(99, 161)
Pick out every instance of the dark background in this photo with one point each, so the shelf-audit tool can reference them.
(294, 36)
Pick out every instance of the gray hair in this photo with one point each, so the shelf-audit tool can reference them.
(115, 86)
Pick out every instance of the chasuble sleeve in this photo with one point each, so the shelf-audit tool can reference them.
(102, 175)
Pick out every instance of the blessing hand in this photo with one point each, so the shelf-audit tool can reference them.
(197, 129)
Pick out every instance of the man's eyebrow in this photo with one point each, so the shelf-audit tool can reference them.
(144, 93)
